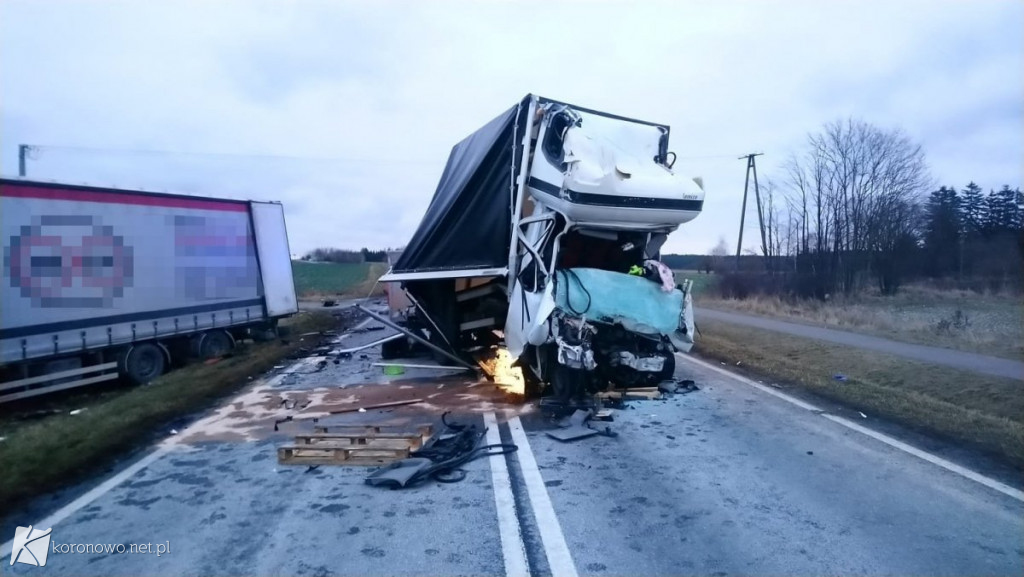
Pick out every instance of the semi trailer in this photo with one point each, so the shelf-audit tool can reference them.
(101, 283)
(543, 238)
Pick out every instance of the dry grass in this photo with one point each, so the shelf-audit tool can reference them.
(368, 287)
(43, 453)
(988, 324)
(984, 412)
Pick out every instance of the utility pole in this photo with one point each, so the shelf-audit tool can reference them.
(751, 167)
(22, 153)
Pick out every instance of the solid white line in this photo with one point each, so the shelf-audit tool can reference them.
(97, 492)
(106, 486)
(559, 559)
(949, 466)
(512, 548)
(894, 443)
(747, 381)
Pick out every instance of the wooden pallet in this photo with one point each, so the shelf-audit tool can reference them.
(369, 445)
(353, 456)
(357, 441)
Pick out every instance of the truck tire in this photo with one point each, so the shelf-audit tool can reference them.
(142, 363)
(213, 344)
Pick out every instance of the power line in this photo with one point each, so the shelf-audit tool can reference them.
(156, 152)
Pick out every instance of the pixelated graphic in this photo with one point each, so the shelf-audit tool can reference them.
(214, 257)
(65, 261)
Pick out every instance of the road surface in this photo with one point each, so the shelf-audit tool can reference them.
(733, 478)
(973, 362)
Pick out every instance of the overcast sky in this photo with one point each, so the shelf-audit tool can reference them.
(346, 111)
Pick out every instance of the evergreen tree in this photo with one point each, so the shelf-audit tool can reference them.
(973, 210)
(942, 231)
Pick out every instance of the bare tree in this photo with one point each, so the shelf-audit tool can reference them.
(854, 191)
(719, 253)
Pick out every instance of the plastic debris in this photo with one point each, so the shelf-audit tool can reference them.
(76, 412)
(839, 377)
(174, 431)
(862, 415)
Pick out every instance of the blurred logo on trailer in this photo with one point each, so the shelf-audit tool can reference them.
(69, 261)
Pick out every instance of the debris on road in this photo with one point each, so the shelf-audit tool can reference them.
(418, 366)
(839, 377)
(326, 411)
(347, 353)
(366, 446)
(574, 428)
(640, 393)
(440, 458)
(76, 412)
(394, 370)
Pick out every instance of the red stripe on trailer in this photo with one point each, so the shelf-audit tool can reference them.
(119, 197)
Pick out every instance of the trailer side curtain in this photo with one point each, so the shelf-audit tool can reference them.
(467, 223)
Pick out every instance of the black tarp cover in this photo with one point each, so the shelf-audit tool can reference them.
(467, 224)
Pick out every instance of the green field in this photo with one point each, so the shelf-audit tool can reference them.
(702, 283)
(313, 279)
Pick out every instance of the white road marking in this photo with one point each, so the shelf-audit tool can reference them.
(106, 486)
(747, 381)
(949, 466)
(512, 548)
(894, 443)
(557, 552)
(97, 492)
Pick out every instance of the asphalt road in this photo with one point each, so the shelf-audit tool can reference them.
(733, 478)
(973, 362)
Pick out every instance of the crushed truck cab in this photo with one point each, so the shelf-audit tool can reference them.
(544, 237)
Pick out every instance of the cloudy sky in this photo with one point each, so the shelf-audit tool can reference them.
(346, 111)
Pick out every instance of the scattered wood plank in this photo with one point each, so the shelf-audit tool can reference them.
(337, 410)
(383, 432)
(354, 456)
(631, 394)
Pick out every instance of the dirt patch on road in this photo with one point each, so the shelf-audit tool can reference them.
(253, 415)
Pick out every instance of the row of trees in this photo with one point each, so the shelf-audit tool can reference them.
(337, 255)
(968, 234)
(856, 207)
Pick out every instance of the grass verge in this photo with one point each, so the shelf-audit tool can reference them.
(43, 454)
(980, 411)
(986, 324)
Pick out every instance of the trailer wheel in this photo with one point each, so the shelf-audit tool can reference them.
(213, 344)
(142, 363)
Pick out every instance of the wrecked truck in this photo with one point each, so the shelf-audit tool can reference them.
(543, 238)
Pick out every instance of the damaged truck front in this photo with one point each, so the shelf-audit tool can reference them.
(544, 237)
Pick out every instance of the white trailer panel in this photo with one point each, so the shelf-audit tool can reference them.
(275, 258)
(87, 267)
